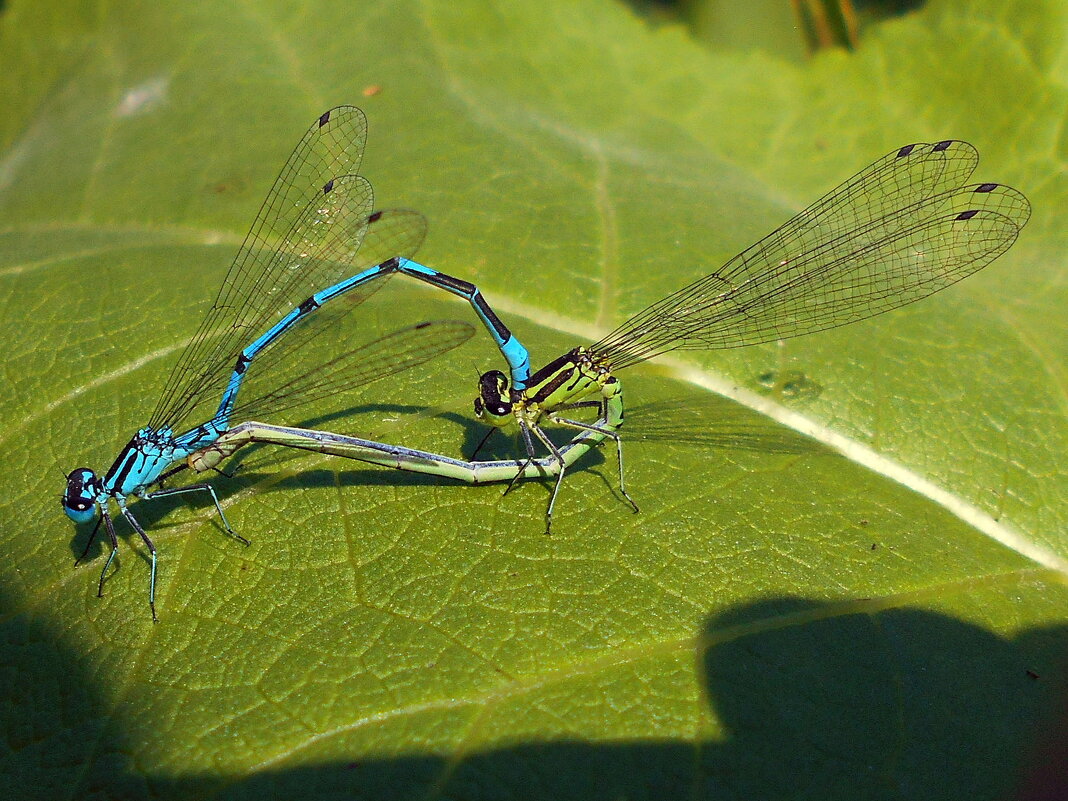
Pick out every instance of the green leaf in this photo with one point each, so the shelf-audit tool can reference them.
(848, 577)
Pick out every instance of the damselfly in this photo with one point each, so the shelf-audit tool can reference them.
(286, 284)
(899, 230)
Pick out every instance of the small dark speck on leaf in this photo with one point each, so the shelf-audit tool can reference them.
(228, 186)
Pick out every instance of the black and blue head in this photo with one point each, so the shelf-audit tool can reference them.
(79, 501)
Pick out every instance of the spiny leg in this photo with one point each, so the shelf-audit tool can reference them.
(172, 472)
(531, 457)
(591, 404)
(483, 442)
(152, 549)
(559, 458)
(89, 544)
(224, 474)
(608, 432)
(163, 493)
(110, 528)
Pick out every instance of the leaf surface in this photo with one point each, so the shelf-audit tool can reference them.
(848, 577)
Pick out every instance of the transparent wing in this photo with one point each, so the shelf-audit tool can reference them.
(392, 354)
(267, 276)
(385, 235)
(896, 232)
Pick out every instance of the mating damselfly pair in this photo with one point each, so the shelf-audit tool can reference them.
(901, 229)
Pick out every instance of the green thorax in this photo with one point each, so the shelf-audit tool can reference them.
(564, 380)
(575, 375)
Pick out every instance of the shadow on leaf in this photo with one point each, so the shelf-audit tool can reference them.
(812, 701)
